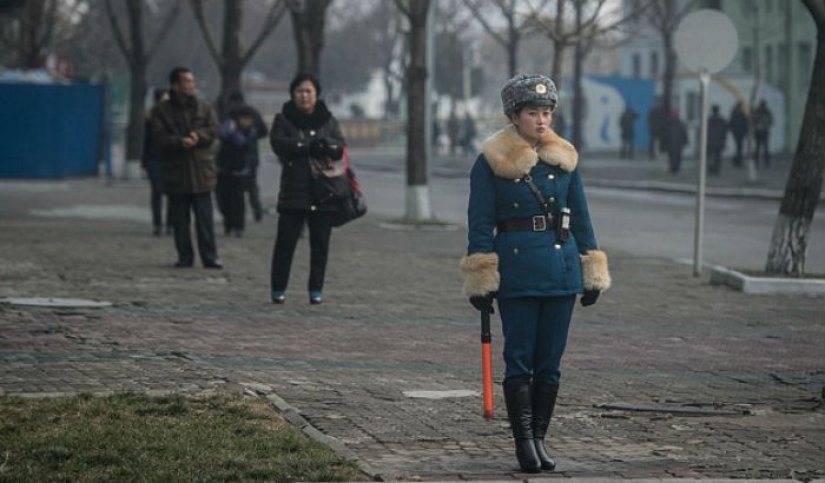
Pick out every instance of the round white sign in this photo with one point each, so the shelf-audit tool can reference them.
(706, 40)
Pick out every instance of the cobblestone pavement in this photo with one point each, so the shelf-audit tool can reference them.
(666, 376)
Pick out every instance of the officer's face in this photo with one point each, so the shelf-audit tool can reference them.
(533, 122)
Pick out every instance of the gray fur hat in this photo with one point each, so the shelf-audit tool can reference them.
(528, 89)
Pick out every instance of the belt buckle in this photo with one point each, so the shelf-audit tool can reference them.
(539, 223)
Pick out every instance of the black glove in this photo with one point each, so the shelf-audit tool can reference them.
(318, 147)
(483, 303)
(589, 297)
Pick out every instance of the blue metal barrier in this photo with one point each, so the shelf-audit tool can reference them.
(50, 130)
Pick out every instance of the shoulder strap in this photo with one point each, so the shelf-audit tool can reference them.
(528, 180)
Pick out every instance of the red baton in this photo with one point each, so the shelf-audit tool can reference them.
(486, 365)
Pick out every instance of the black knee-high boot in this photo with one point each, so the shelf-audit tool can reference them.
(518, 398)
(544, 402)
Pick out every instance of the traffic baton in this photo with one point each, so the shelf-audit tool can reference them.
(486, 365)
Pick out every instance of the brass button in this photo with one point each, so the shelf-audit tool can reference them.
(552, 199)
(313, 208)
(312, 132)
(557, 246)
(515, 205)
(517, 180)
(551, 176)
(515, 251)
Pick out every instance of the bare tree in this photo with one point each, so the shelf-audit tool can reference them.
(590, 24)
(416, 12)
(664, 16)
(137, 57)
(29, 29)
(232, 59)
(791, 231)
(518, 24)
(308, 21)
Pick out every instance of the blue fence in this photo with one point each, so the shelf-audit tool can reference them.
(50, 130)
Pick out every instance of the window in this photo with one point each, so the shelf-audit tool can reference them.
(713, 4)
(637, 65)
(805, 61)
(654, 65)
(769, 63)
(747, 59)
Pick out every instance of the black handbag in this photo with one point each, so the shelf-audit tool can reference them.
(330, 185)
(354, 205)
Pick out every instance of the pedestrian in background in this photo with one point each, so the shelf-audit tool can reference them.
(762, 118)
(532, 247)
(717, 135)
(739, 126)
(185, 127)
(627, 126)
(656, 120)
(468, 134)
(235, 159)
(236, 99)
(674, 140)
(150, 160)
(303, 133)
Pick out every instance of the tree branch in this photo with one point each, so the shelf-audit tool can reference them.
(403, 8)
(817, 10)
(197, 8)
(164, 29)
(119, 39)
(273, 18)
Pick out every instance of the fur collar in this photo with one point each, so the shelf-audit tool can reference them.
(510, 157)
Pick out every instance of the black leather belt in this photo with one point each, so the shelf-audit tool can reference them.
(536, 223)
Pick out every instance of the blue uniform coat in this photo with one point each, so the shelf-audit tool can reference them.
(527, 263)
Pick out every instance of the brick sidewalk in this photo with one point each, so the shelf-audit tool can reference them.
(735, 380)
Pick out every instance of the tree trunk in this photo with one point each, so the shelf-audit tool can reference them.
(137, 99)
(418, 199)
(230, 66)
(791, 231)
(31, 19)
(137, 90)
(514, 39)
(231, 73)
(417, 103)
(308, 30)
(578, 97)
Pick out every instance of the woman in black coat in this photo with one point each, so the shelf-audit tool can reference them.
(303, 134)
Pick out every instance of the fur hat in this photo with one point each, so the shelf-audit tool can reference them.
(528, 89)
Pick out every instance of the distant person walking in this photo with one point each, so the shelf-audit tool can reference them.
(185, 127)
(151, 163)
(717, 135)
(235, 159)
(468, 134)
(627, 123)
(656, 119)
(236, 99)
(304, 134)
(739, 126)
(674, 140)
(762, 119)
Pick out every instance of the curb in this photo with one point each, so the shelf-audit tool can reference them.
(671, 187)
(765, 285)
(293, 416)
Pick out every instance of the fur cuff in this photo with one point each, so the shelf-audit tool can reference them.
(480, 273)
(594, 271)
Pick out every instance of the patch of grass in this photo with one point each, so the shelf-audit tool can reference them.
(134, 437)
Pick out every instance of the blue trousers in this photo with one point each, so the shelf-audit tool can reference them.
(535, 336)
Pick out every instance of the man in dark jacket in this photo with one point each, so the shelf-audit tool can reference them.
(739, 125)
(717, 134)
(185, 128)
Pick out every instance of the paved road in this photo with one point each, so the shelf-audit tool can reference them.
(731, 383)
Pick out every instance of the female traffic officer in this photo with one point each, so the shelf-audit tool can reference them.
(531, 246)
